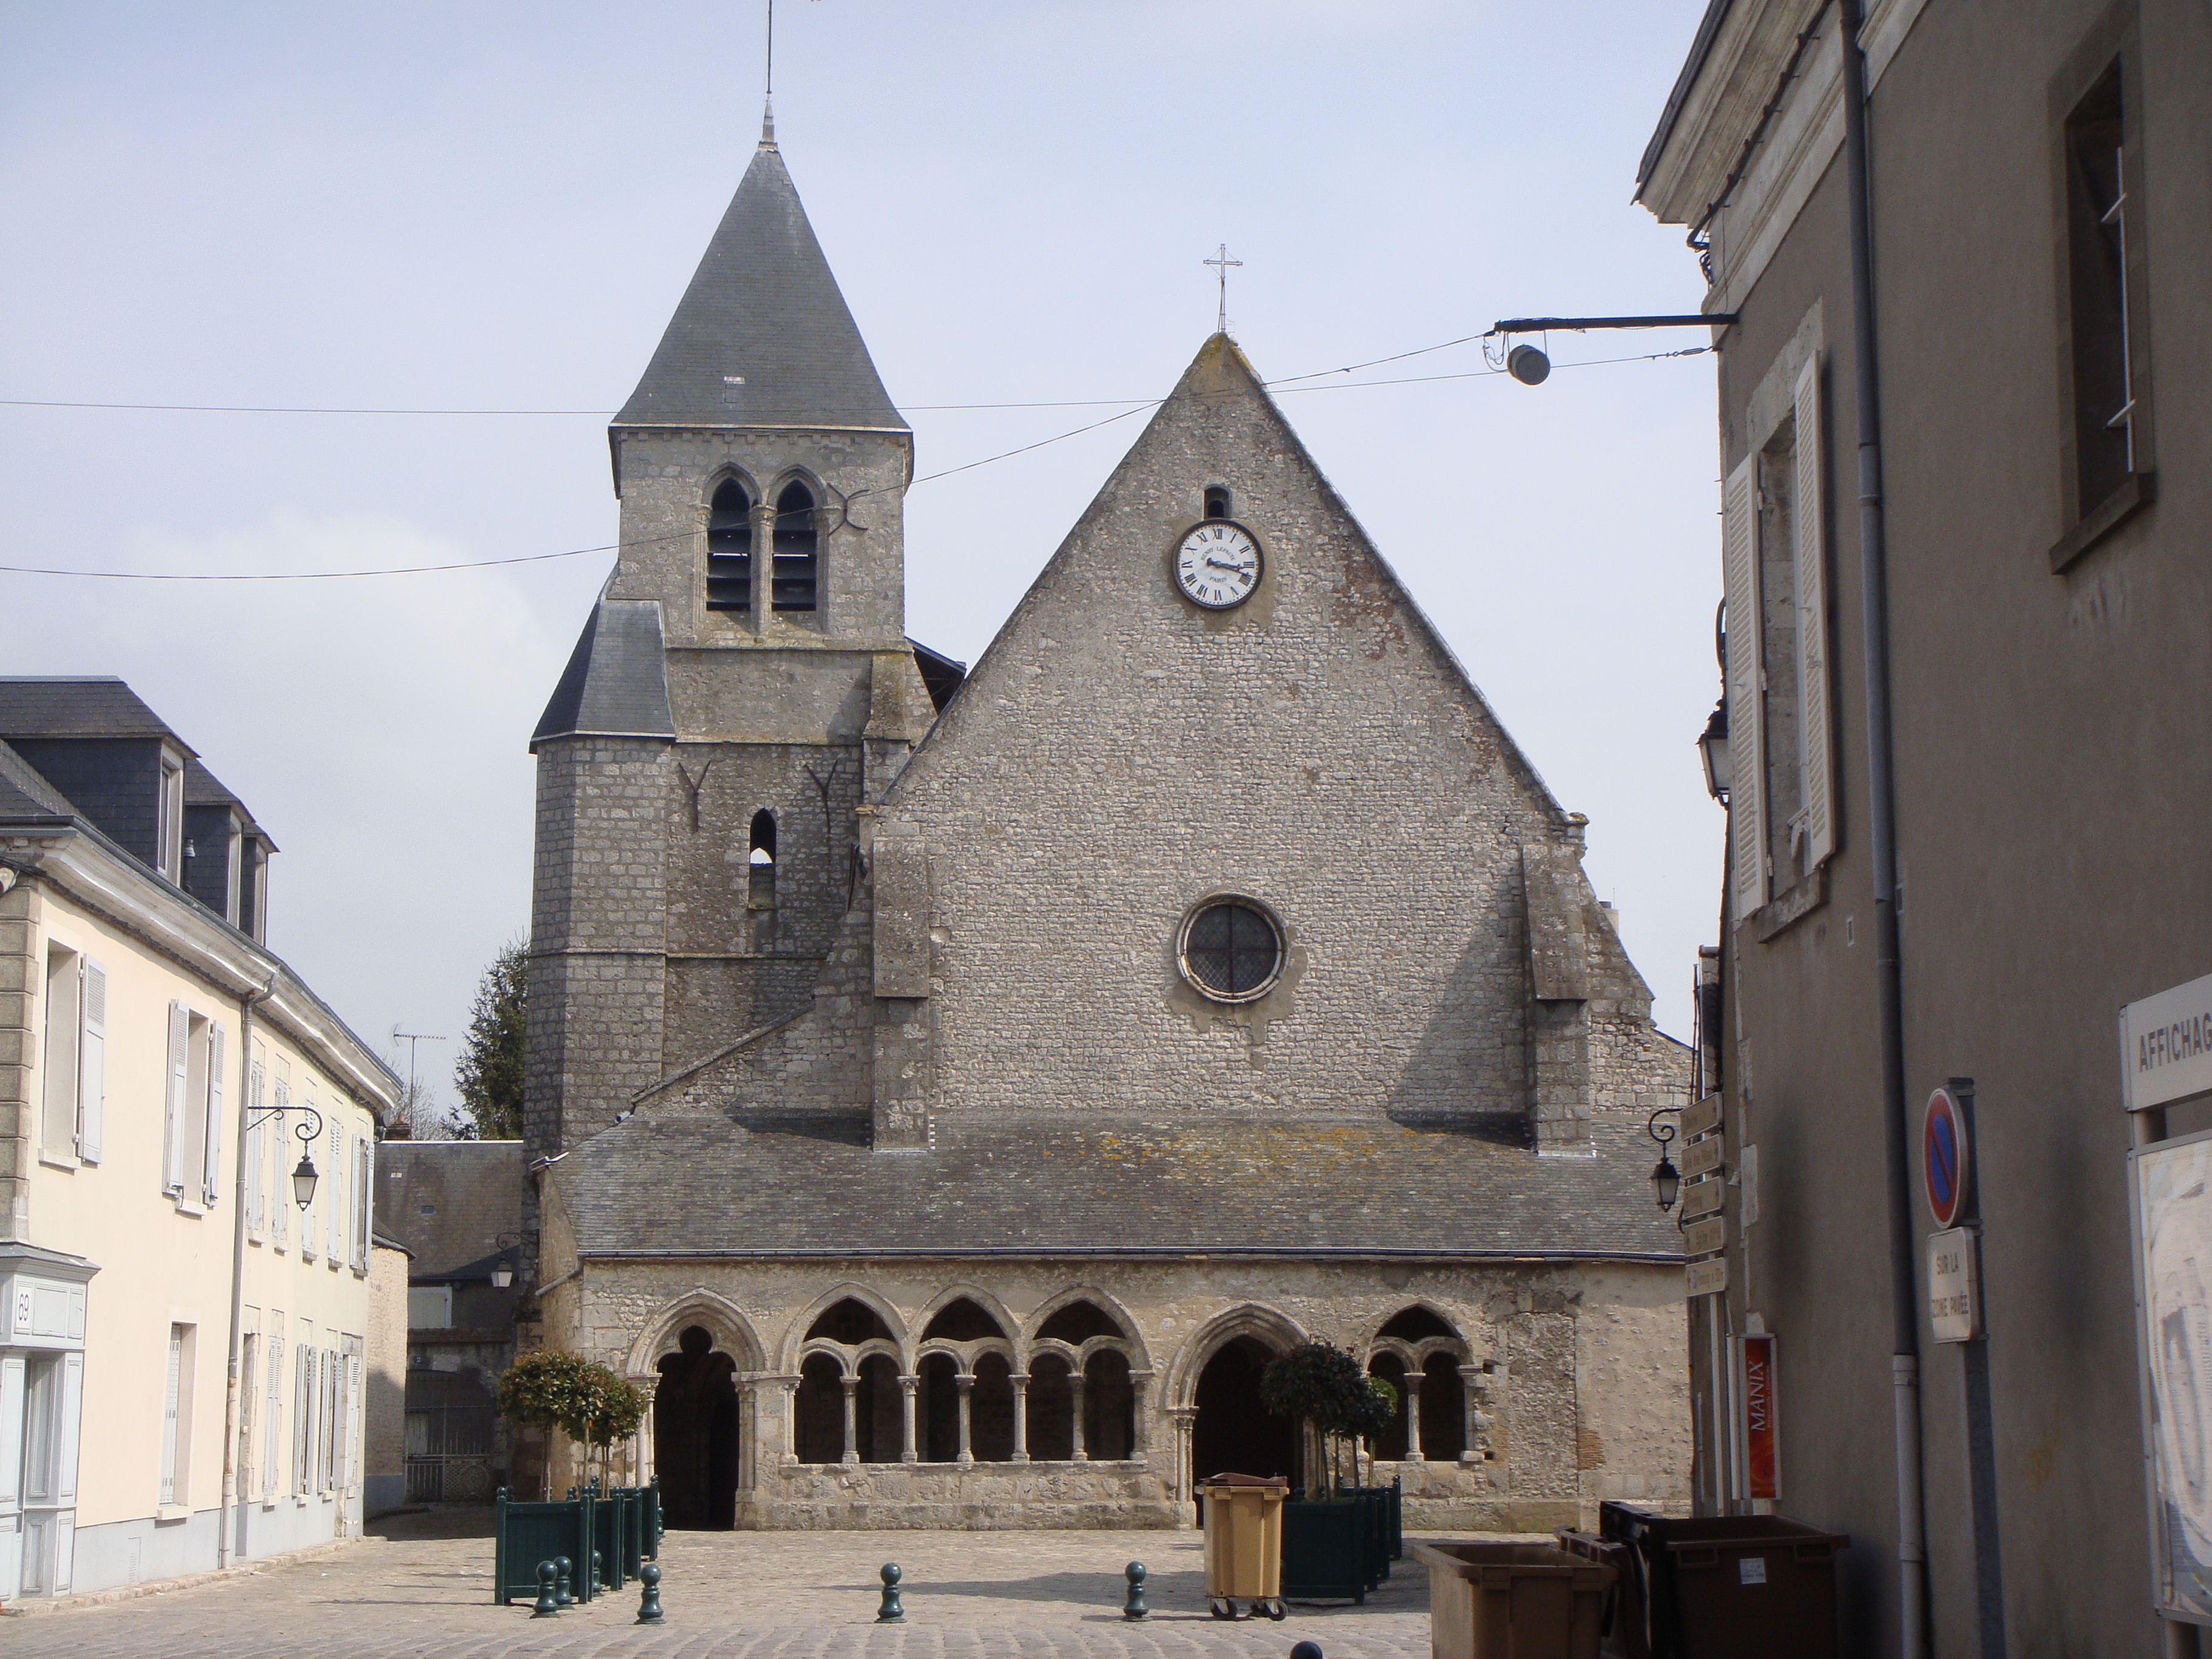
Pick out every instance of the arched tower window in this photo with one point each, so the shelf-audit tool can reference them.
(730, 548)
(760, 863)
(1217, 501)
(794, 569)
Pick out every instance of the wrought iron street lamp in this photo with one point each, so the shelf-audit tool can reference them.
(305, 1175)
(502, 1271)
(1665, 1179)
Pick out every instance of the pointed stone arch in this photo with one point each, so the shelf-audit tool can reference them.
(1008, 1327)
(1272, 1329)
(720, 1317)
(794, 1336)
(1132, 1337)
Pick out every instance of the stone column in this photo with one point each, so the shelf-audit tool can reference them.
(1181, 1483)
(908, 1451)
(966, 1384)
(1076, 1384)
(790, 1386)
(747, 1435)
(763, 583)
(1475, 1389)
(852, 1437)
(1140, 1432)
(1021, 1381)
(1413, 1418)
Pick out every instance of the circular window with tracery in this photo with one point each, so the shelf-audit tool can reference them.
(1231, 949)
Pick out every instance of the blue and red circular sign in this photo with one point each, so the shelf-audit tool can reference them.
(1944, 1154)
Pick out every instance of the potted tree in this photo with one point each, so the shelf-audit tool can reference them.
(1331, 1547)
(580, 1397)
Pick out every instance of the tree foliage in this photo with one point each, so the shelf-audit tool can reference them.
(581, 1398)
(1326, 1389)
(489, 1073)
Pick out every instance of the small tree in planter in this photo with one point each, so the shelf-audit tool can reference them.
(582, 1399)
(1333, 1401)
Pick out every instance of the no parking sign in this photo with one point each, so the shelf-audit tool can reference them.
(1947, 1158)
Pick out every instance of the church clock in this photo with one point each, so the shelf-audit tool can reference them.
(1217, 564)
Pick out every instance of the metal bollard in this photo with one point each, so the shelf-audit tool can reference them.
(893, 1611)
(1135, 1606)
(1305, 1651)
(548, 1605)
(598, 1580)
(648, 1605)
(561, 1591)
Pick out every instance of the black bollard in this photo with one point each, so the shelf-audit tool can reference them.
(548, 1605)
(893, 1611)
(561, 1591)
(598, 1580)
(1135, 1606)
(1305, 1651)
(648, 1605)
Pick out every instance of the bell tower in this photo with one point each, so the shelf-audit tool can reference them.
(742, 686)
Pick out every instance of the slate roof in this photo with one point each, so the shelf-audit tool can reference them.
(690, 1181)
(25, 794)
(471, 1191)
(77, 706)
(762, 336)
(615, 684)
(203, 788)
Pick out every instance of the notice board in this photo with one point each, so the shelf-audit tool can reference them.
(2170, 1192)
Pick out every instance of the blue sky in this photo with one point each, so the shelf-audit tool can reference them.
(496, 207)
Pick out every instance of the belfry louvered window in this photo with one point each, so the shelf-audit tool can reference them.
(1781, 798)
(794, 571)
(730, 548)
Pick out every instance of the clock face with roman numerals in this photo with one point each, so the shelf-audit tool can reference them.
(1217, 564)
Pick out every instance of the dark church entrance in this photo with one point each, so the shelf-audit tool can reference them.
(695, 1434)
(1234, 1433)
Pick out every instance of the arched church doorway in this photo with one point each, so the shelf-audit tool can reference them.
(1233, 1432)
(695, 1434)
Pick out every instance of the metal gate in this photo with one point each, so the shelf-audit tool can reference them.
(452, 1447)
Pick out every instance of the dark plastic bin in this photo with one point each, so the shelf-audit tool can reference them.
(1718, 1586)
(1623, 1632)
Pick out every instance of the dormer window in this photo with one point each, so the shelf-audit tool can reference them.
(1217, 501)
(169, 841)
(730, 548)
(795, 570)
(760, 863)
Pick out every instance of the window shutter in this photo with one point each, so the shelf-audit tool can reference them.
(273, 1436)
(279, 1131)
(211, 1165)
(11, 1428)
(173, 1132)
(334, 1211)
(91, 1059)
(1807, 520)
(169, 1414)
(65, 1445)
(1745, 698)
(364, 1175)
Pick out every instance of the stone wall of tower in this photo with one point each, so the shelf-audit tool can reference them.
(597, 979)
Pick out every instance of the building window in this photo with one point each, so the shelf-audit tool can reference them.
(74, 1054)
(794, 568)
(192, 1144)
(430, 1307)
(1781, 805)
(169, 831)
(1217, 501)
(2103, 246)
(1231, 949)
(730, 548)
(760, 863)
(273, 1430)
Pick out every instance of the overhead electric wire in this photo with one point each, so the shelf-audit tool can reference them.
(1138, 406)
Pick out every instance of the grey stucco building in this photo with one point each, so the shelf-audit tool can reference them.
(1966, 418)
(944, 1095)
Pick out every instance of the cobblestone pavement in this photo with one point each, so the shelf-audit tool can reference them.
(418, 1589)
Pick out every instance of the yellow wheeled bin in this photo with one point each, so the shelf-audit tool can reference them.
(1244, 1545)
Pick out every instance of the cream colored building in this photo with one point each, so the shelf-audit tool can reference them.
(146, 1038)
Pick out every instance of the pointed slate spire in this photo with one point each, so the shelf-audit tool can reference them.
(762, 336)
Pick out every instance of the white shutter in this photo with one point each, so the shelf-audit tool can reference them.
(1746, 692)
(364, 1170)
(211, 1163)
(66, 1446)
(169, 1414)
(279, 1132)
(272, 1436)
(173, 1129)
(11, 1429)
(91, 1059)
(1807, 518)
(334, 1211)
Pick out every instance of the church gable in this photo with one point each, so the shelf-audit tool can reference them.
(1122, 758)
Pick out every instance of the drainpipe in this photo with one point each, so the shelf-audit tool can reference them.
(238, 1270)
(1881, 803)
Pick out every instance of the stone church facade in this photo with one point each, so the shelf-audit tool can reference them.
(945, 1094)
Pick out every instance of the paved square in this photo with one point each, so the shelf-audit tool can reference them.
(418, 1589)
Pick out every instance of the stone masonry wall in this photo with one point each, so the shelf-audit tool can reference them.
(1577, 1377)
